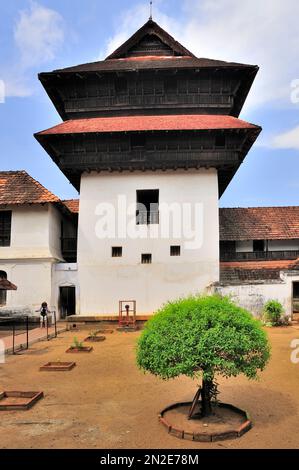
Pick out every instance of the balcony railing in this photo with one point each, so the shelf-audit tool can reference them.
(69, 249)
(259, 255)
(203, 99)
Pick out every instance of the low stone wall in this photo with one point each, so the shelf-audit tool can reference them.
(17, 312)
(254, 296)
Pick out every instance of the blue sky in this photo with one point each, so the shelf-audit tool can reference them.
(43, 35)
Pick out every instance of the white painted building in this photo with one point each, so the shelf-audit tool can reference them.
(31, 219)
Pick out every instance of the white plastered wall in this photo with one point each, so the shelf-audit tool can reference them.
(253, 296)
(105, 280)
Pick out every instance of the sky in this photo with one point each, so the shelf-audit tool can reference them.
(43, 35)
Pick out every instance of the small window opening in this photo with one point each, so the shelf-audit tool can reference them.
(258, 245)
(147, 211)
(220, 141)
(175, 250)
(146, 258)
(117, 251)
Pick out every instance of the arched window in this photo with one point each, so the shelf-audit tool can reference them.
(3, 293)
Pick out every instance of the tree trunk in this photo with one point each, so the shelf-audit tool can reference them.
(206, 407)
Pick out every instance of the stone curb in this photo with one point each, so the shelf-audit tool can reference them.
(206, 436)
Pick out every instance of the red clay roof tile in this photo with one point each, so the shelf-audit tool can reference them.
(148, 123)
(18, 187)
(259, 223)
(72, 205)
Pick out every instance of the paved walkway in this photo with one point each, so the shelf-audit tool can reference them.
(34, 335)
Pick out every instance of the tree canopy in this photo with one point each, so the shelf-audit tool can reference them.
(203, 335)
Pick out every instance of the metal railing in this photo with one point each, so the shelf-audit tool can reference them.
(259, 255)
(21, 325)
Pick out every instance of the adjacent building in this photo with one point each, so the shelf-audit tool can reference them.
(32, 223)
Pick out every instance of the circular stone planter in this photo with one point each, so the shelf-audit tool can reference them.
(228, 422)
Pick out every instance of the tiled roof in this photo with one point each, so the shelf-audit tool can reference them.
(72, 205)
(148, 123)
(271, 264)
(149, 62)
(17, 187)
(235, 272)
(259, 223)
(178, 56)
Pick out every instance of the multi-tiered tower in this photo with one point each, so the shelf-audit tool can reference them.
(157, 125)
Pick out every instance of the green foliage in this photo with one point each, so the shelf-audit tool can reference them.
(93, 334)
(272, 312)
(204, 336)
(77, 344)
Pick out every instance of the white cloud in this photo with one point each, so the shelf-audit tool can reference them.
(131, 20)
(258, 32)
(264, 33)
(287, 140)
(38, 34)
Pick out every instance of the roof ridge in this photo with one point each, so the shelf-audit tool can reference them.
(5, 172)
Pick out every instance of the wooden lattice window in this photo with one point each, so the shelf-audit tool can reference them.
(5, 228)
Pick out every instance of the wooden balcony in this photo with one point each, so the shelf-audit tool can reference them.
(69, 249)
(87, 104)
(259, 255)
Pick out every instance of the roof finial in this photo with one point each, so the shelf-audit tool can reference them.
(151, 10)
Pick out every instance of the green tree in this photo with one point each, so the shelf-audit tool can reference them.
(203, 336)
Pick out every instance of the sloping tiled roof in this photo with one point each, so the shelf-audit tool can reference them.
(268, 264)
(149, 62)
(236, 272)
(18, 187)
(148, 123)
(72, 205)
(179, 56)
(259, 223)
